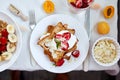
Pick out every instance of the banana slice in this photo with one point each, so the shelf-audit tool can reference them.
(12, 38)
(11, 47)
(6, 55)
(0, 58)
(10, 28)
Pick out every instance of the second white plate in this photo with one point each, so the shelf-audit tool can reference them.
(38, 53)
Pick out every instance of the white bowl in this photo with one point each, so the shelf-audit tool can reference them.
(6, 64)
(116, 44)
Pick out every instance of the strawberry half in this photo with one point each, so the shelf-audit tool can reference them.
(78, 3)
(64, 45)
(3, 40)
(76, 53)
(58, 36)
(66, 35)
(87, 1)
(60, 62)
(4, 33)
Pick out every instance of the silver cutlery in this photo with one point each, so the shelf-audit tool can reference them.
(32, 21)
(32, 24)
(88, 28)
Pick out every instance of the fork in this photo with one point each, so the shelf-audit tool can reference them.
(32, 24)
(32, 21)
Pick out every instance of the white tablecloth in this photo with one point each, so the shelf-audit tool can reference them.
(23, 62)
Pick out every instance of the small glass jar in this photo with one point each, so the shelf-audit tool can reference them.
(77, 10)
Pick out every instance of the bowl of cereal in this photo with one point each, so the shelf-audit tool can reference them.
(10, 41)
(106, 51)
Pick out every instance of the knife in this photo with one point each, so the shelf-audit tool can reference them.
(88, 28)
(17, 12)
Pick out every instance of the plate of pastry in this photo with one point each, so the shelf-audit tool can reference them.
(59, 43)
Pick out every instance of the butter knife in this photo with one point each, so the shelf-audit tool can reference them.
(88, 28)
(17, 12)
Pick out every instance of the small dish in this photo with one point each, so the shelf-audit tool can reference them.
(106, 51)
(73, 7)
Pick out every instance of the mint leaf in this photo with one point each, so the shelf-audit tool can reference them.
(58, 43)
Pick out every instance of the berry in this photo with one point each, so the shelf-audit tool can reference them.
(4, 33)
(87, 1)
(76, 53)
(2, 48)
(58, 36)
(60, 62)
(78, 3)
(73, 4)
(64, 45)
(3, 40)
(66, 35)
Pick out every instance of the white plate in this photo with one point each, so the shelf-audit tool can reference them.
(5, 64)
(37, 51)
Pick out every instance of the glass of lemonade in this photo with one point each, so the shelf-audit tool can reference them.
(78, 6)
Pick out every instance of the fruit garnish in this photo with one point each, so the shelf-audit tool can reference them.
(84, 5)
(78, 3)
(2, 48)
(3, 40)
(10, 28)
(64, 45)
(87, 1)
(73, 4)
(108, 11)
(76, 53)
(12, 38)
(103, 27)
(48, 6)
(4, 33)
(60, 62)
(58, 36)
(66, 35)
(58, 43)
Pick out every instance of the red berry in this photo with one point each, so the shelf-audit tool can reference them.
(87, 1)
(78, 3)
(64, 45)
(58, 36)
(2, 48)
(84, 5)
(3, 40)
(60, 62)
(66, 35)
(76, 53)
(4, 33)
(73, 4)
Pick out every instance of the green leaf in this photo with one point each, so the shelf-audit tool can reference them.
(58, 43)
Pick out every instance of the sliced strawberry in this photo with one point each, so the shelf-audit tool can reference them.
(78, 3)
(4, 33)
(87, 1)
(60, 62)
(64, 45)
(66, 35)
(2, 48)
(76, 53)
(84, 5)
(3, 40)
(58, 36)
